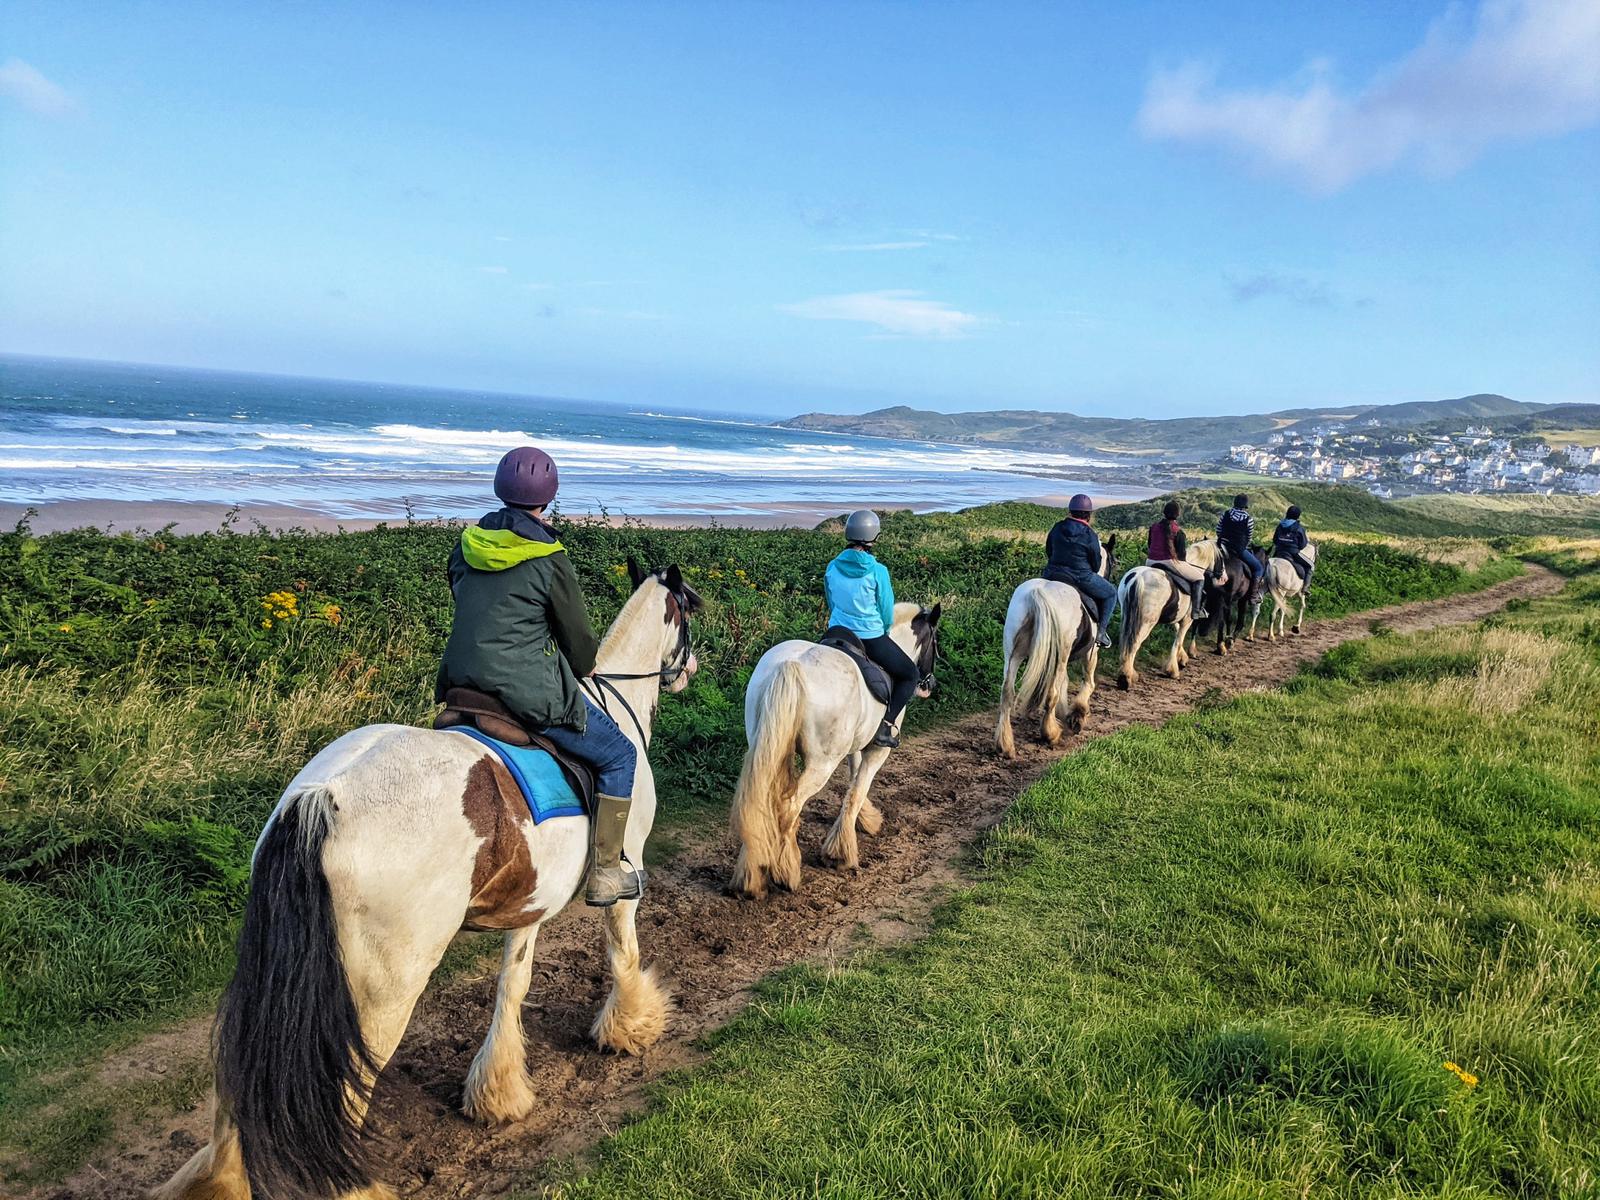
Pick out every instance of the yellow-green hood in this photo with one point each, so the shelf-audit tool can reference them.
(497, 549)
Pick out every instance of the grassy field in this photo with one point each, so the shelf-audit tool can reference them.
(156, 699)
(1342, 939)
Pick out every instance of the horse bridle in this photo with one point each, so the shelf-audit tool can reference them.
(667, 676)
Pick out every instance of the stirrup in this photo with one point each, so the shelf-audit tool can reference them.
(597, 895)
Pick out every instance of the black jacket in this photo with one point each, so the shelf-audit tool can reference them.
(1074, 550)
(1288, 539)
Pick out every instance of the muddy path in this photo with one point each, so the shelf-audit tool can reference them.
(938, 792)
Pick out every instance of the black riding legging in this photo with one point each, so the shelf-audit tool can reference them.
(903, 673)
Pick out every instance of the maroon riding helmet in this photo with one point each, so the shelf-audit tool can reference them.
(526, 478)
(1080, 506)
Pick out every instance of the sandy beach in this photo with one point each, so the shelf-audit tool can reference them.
(148, 516)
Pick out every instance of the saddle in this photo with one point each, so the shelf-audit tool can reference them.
(874, 676)
(467, 710)
(1180, 587)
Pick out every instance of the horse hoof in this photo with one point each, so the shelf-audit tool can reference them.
(1124, 682)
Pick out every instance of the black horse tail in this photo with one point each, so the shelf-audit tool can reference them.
(293, 1072)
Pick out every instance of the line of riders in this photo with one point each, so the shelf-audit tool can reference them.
(522, 649)
(393, 839)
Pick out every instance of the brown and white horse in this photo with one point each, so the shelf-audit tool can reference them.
(1283, 585)
(1149, 596)
(389, 842)
(1048, 625)
(810, 700)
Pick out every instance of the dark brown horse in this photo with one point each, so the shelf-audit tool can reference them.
(1233, 602)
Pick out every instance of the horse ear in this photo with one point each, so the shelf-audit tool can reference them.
(635, 573)
(933, 614)
(673, 578)
(1111, 546)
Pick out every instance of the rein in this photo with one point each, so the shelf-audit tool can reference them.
(606, 682)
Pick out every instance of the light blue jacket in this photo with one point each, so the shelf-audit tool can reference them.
(859, 594)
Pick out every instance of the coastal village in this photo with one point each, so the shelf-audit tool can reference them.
(1391, 462)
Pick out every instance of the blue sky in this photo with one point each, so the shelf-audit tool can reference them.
(1146, 208)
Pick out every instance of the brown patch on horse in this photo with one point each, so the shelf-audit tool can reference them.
(503, 878)
(1169, 611)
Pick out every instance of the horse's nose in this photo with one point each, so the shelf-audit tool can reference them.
(692, 665)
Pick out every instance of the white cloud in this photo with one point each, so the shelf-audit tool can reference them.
(870, 246)
(901, 313)
(23, 83)
(1518, 69)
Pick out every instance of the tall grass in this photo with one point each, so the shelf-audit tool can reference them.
(1341, 940)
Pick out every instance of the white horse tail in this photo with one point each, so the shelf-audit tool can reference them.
(1051, 646)
(293, 1072)
(767, 780)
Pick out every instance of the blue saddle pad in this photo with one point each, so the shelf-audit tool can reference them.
(539, 777)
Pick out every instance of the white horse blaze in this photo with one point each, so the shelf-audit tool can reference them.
(807, 699)
(428, 835)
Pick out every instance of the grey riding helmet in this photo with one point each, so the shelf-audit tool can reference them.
(862, 526)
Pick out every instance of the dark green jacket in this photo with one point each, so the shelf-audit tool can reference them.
(521, 631)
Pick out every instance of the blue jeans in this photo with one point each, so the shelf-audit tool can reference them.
(601, 745)
(1250, 560)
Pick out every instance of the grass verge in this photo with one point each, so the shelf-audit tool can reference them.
(1342, 939)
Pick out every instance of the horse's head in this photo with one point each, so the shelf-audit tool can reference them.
(1108, 556)
(925, 632)
(678, 603)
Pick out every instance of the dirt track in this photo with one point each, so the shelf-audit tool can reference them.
(937, 793)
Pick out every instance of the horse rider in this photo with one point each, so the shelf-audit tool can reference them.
(521, 634)
(1289, 541)
(1235, 529)
(1168, 546)
(861, 598)
(1076, 557)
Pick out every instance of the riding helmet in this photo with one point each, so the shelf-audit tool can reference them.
(526, 478)
(1080, 505)
(1241, 501)
(1294, 513)
(862, 526)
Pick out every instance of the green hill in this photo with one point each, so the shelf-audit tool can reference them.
(1194, 437)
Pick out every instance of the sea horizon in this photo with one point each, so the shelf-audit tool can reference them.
(103, 436)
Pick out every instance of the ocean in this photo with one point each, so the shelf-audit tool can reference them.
(113, 432)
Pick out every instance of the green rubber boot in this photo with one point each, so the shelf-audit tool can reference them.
(609, 880)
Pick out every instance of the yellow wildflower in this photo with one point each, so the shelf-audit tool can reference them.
(266, 622)
(332, 614)
(65, 628)
(1466, 1077)
(619, 569)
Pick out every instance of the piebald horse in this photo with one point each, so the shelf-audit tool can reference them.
(1048, 624)
(1150, 596)
(811, 700)
(389, 842)
(1283, 585)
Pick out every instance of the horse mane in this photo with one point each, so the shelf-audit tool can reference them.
(905, 611)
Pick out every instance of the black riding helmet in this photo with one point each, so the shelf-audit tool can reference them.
(1293, 514)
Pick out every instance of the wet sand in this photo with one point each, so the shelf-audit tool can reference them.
(148, 516)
